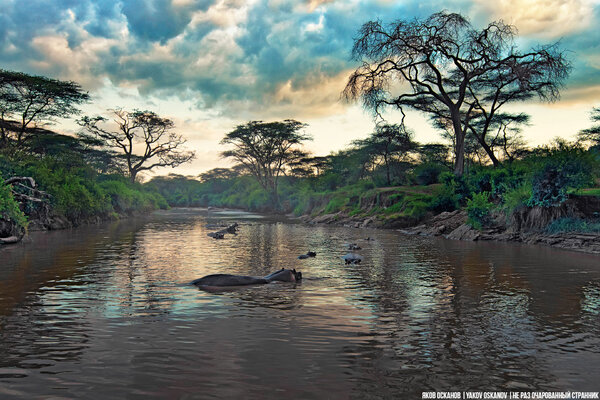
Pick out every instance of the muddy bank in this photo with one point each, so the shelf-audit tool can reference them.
(452, 225)
(526, 225)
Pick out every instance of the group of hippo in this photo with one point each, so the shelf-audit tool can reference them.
(216, 281)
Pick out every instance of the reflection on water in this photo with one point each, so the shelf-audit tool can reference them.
(106, 312)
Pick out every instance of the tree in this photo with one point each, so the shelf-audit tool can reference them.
(592, 135)
(266, 149)
(433, 153)
(28, 100)
(137, 130)
(455, 73)
(389, 142)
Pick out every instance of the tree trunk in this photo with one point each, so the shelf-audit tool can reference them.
(489, 152)
(132, 176)
(387, 170)
(459, 147)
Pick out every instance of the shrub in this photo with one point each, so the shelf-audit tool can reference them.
(455, 186)
(515, 198)
(573, 225)
(428, 174)
(335, 204)
(478, 210)
(558, 173)
(9, 208)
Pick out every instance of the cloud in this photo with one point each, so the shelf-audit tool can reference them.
(160, 20)
(252, 57)
(543, 18)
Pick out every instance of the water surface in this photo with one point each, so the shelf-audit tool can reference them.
(107, 312)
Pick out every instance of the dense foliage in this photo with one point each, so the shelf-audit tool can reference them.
(351, 185)
(76, 190)
(9, 209)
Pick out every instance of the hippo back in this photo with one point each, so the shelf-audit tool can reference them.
(228, 280)
(284, 275)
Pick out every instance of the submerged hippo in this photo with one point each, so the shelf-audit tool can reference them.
(224, 280)
(352, 258)
(307, 255)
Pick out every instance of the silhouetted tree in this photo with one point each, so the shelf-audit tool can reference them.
(266, 149)
(455, 72)
(27, 101)
(221, 173)
(592, 134)
(433, 153)
(389, 143)
(145, 140)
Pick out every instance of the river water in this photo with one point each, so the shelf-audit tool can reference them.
(107, 311)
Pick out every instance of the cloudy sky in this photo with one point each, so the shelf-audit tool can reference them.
(212, 64)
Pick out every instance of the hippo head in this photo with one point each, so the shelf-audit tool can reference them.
(297, 275)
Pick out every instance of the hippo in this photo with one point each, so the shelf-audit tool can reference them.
(307, 255)
(227, 280)
(353, 246)
(352, 258)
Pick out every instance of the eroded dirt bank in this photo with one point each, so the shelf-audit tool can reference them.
(525, 225)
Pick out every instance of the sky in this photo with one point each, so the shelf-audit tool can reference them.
(210, 65)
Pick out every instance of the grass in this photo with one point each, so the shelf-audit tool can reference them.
(588, 192)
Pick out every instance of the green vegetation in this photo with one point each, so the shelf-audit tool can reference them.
(478, 210)
(10, 214)
(349, 184)
(573, 225)
(77, 192)
(58, 180)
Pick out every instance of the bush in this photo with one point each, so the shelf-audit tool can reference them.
(573, 225)
(478, 210)
(456, 186)
(428, 174)
(516, 198)
(444, 199)
(335, 204)
(558, 173)
(9, 208)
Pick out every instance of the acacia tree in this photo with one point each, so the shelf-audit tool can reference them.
(144, 139)
(389, 142)
(592, 134)
(454, 73)
(266, 149)
(27, 101)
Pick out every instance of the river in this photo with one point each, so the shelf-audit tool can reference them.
(107, 311)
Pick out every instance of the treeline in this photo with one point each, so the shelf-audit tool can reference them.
(408, 187)
(71, 187)
(52, 181)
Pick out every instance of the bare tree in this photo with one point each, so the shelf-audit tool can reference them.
(454, 73)
(145, 140)
(266, 149)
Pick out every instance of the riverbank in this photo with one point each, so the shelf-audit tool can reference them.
(527, 225)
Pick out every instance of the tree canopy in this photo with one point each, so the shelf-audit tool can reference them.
(266, 149)
(458, 75)
(389, 143)
(28, 100)
(592, 134)
(144, 139)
